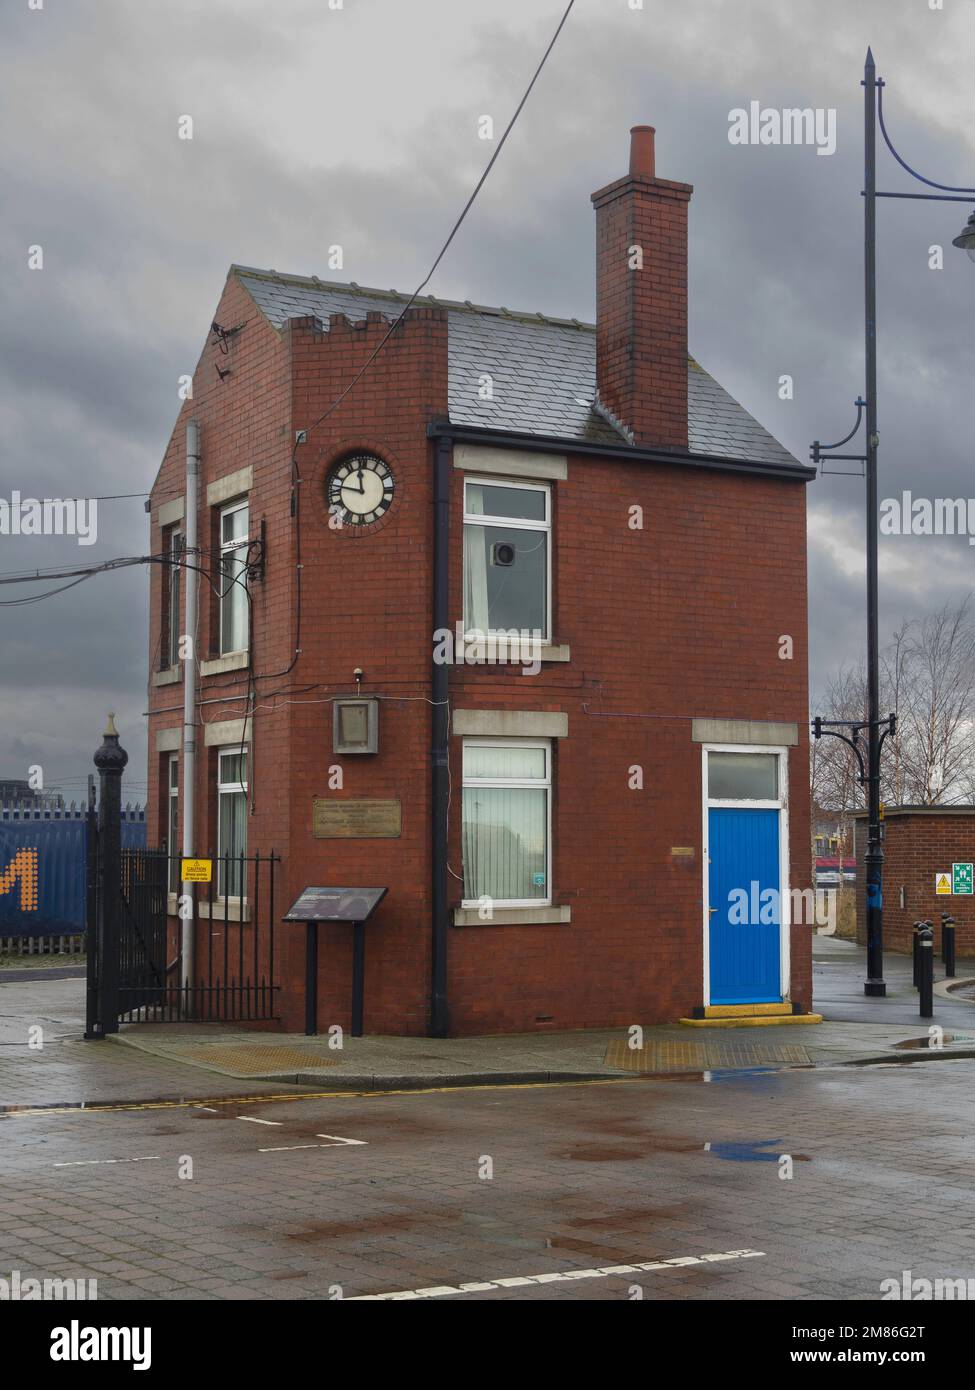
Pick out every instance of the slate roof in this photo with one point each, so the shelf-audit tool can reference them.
(544, 369)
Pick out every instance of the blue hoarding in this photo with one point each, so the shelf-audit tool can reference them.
(42, 870)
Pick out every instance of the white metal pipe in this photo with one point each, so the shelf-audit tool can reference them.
(188, 646)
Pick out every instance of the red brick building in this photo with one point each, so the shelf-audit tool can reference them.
(921, 843)
(541, 810)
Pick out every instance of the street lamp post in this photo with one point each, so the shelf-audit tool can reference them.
(867, 737)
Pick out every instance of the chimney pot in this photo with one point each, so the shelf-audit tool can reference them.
(641, 151)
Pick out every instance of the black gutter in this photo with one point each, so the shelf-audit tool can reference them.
(439, 750)
(631, 453)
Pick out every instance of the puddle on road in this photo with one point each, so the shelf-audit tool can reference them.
(754, 1151)
(646, 1145)
(928, 1044)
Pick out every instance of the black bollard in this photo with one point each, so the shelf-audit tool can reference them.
(948, 945)
(926, 971)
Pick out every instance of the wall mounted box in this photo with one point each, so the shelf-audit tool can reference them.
(355, 726)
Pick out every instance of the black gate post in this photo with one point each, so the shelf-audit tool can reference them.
(110, 759)
(93, 993)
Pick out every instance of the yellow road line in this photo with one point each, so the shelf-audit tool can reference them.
(202, 1102)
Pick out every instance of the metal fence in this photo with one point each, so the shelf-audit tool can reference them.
(234, 974)
(65, 945)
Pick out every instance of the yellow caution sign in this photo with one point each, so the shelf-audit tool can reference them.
(942, 884)
(196, 870)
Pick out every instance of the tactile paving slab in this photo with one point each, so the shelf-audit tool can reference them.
(673, 1056)
(246, 1059)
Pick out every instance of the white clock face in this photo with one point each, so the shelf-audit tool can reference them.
(360, 489)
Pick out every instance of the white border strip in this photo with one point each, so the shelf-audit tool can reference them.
(565, 1275)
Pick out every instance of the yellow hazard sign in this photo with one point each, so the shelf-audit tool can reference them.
(196, 870)
(942, 884)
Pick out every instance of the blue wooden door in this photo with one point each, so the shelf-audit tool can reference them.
(745, 919)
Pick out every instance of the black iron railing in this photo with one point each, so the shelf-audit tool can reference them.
(232, 974)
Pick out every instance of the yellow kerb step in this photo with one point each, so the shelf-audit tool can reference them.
(751, 1020)
(736, 1010)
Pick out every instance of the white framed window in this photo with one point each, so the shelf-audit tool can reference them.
(231, 820)
(174, 554)
(173, 846)
(234, 543)
(507, 822)
(743, 777)
(507, 557)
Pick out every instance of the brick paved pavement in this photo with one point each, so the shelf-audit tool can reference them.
(584, 1176)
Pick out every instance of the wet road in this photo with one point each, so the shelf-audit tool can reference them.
(837, 1178)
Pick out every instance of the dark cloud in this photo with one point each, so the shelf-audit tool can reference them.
(359, 127)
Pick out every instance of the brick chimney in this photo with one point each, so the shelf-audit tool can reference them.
(641, 299)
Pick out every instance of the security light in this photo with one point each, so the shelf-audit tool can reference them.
(966, 237)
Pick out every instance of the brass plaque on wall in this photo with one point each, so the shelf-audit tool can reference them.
(356, 820)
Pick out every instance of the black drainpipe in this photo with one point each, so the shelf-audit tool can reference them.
(439, 751)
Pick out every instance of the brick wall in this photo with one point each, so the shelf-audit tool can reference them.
(244, 419)
(917, 846)
(678, 620)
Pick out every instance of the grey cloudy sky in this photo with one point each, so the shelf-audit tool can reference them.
(358, 126)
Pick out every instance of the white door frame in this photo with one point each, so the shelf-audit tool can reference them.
(781, 804)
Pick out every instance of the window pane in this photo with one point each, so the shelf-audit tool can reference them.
(172, 829)
(172, 642)
(505, 576)
(503, 761)
(504, 843)
(231, 841)
(233, 602)
(743, 776)
(233, 769)
(233, 525)
(492, 499)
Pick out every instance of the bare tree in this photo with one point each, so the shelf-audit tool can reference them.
(928, 678)
(835, 772)
(938, 739)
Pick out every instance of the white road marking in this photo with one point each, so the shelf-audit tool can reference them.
(336, 1142)
(88, 1162)
(211, 1108)
(445, 1290)
(253, 1120)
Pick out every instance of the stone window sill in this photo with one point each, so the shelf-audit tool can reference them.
(233, 661)
(169, 676)
(485, 651)
(512, 917)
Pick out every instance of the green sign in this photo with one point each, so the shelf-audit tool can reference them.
(961, 879)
